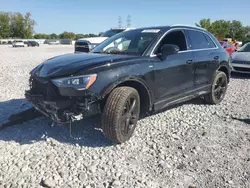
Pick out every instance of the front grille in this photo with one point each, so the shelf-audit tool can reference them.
(82, 47)
(242, 69)
(45, 88)
(242, 62)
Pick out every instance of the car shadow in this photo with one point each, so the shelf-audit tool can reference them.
(240, 75)
(247, 120)
(84, 133)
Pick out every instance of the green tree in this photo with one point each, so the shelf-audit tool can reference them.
(53, 36)
(100, 34)
(67, 35)
(92, 35)
(205, 23)
(220, 28)
(79, 36)
(246, 37)
(21, 26)
(236, 30)
(41, 36)
(29, 24)
(16, 25)
(4, 25)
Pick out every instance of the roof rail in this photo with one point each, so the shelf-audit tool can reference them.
(185, 25)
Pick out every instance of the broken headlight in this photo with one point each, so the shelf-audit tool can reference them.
(77, 82)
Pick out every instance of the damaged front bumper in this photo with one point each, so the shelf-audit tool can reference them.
(64, 111)
(47, 99)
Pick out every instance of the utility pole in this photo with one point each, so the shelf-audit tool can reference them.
(129, 21)
(119, 22)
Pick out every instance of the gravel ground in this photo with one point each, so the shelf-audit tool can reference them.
(191, 145)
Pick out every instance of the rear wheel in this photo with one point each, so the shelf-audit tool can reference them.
(120, 114)
(218, 90)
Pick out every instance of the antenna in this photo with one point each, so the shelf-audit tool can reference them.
(119, 22)
(129, 21)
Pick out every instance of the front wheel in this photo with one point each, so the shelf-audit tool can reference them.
(120, 114)
(218, 89)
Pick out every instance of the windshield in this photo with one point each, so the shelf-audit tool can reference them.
(133, 42)
(111, 32)
(245, 48)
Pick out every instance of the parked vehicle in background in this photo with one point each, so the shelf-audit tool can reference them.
(87, 44)
(228, 47)
(32, 43)
(18, 43)
(54, 42)
(240, 60)
(131, 74)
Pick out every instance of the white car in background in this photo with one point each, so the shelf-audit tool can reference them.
(87, 44)
(54, 42)
(18, 43)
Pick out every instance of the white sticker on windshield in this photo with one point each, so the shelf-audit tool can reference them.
(151, 31)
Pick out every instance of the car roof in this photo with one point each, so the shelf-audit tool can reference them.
(174, 26)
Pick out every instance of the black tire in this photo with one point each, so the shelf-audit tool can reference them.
(120, 114)
(218, 89)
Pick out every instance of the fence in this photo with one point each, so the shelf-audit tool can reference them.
(40, 41)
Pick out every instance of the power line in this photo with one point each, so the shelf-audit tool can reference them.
(119, 22)
(128, 21)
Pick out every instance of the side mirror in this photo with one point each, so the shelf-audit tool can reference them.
(168, 49)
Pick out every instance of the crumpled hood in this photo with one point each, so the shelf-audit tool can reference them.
(93, 40)
(70, 63)
(241, 56)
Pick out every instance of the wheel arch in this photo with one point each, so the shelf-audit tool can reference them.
(146, 97)
(224, 69)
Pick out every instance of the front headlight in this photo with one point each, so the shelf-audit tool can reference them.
(77, 82)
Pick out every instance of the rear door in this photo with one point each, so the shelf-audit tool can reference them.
(205, 57)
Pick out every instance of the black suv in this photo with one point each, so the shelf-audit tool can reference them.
(32, 43)
(129, 75)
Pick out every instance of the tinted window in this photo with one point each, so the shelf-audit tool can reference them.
(175, 37)
(210, 42)
(198, 40)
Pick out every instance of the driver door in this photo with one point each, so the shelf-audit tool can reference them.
(174, 76)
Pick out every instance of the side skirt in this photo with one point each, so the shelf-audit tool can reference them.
(181, 98)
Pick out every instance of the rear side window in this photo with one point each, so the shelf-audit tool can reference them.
(210, 42)
(198, 40)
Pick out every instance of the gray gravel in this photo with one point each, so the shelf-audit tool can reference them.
(192, 145)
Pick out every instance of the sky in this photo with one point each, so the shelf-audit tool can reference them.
(79, 16)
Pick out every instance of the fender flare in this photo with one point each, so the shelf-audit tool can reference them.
(123, 80)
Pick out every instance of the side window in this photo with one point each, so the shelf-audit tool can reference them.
(174, 37)
(198, 40)
(210, 41)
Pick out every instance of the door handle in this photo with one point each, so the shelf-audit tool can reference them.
(189, 61)
(216, 57)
